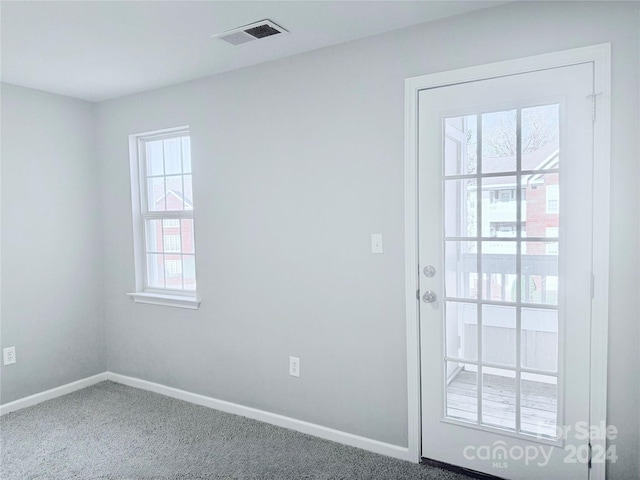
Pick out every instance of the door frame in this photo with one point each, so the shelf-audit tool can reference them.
(600, 56)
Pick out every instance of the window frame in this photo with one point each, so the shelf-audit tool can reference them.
(140, 214)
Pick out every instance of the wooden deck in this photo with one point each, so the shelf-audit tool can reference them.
(538, 403)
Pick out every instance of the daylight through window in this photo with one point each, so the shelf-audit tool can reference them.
(167, 251)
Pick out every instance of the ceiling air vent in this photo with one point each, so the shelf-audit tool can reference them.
(248, 33)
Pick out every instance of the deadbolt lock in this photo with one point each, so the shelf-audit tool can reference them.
(429, 271)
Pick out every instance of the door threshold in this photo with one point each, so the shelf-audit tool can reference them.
(457, 469)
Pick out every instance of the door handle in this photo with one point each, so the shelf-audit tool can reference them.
(429, 297)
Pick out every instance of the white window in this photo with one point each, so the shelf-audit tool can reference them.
(171, 243)
(162, 193)
(552, 247)
(173, 268)
(505, 195)
(553, 199)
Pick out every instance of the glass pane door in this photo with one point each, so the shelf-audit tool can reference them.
(501, 238)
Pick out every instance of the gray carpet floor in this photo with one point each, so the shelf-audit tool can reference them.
(111, 431)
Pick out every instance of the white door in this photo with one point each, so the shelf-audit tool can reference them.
(505, 238)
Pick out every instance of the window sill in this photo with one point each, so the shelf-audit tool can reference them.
(165, 300)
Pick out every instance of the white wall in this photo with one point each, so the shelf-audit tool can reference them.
(51, 277)
(296, 163)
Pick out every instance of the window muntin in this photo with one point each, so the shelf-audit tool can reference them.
(501, 263)
(167, 255)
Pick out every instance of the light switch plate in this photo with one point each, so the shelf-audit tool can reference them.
(376, 243)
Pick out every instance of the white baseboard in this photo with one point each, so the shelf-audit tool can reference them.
(272, 418)
(53, 393)
(229, 407)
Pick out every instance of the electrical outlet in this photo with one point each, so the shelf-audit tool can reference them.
(294, 366)
(9, 354)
